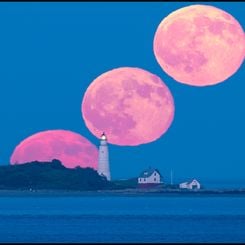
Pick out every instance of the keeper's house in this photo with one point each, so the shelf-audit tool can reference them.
(150, 178)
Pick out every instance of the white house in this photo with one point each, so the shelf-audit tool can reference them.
(193, 184)
(150, 176)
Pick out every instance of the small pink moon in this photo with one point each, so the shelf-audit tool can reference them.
(70, 148)
(131, 105)
(199, 45)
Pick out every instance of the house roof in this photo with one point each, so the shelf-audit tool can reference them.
(148, 172)
(193, 180)
(189, 182)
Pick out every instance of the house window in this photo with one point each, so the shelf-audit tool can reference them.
(155, 174)
(155, 179)
(144, 180)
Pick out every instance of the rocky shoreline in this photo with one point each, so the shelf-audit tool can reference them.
(124, 192)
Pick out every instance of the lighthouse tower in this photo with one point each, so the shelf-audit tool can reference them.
(103, 164)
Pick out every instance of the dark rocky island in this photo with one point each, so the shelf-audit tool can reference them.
(50, 176)
(35, 176)
(47, 177)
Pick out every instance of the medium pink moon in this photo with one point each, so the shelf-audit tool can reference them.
(70, 148)
(131, 105)
(199, 45)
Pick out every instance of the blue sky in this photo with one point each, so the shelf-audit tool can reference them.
(51, 52)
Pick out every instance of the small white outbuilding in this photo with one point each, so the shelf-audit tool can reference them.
(193, 184)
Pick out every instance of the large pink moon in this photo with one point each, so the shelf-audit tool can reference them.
(70, 148)
(131, 105)
(199, 45)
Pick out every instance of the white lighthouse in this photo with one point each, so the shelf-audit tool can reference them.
(103, 164)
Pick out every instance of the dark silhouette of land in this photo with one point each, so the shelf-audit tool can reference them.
(53, 176)
(50, 175)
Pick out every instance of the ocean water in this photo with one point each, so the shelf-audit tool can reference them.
(102, 218)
